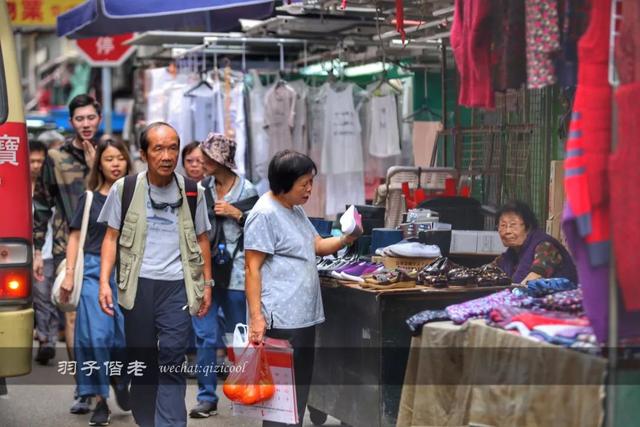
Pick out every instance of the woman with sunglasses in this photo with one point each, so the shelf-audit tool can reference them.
(98, 339)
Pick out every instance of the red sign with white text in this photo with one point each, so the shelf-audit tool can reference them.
(106, 51)
(15, 182)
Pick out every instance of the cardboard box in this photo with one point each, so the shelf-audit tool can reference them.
(489, 243)
(554, 229)
(464, 242)
(556, 188)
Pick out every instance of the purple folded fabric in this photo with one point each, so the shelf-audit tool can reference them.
(573, 331)
(481, 307)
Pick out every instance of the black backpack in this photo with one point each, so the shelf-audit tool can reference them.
(222, 272)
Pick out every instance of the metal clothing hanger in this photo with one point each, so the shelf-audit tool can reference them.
(425, 106)
(203, 77)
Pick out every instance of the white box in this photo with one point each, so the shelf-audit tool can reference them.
(464, 242)
(489, 243)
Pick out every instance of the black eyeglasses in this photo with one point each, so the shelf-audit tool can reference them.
(165, 205)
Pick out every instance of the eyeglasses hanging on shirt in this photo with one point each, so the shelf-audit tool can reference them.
(164, 205)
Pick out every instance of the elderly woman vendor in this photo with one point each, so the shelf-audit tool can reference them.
(531, 253)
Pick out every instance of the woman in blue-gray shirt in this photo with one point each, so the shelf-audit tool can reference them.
(282, 283)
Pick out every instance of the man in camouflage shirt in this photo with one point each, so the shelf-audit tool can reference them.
(63, 181)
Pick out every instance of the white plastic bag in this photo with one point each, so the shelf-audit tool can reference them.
(240, 336)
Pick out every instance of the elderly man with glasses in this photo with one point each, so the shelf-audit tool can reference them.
(158, 229)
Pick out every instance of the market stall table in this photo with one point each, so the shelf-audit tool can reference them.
(475, 374)
(362, 349)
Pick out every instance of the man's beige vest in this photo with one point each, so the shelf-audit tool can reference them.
(134, 236)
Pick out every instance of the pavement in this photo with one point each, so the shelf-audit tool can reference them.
(38, 399)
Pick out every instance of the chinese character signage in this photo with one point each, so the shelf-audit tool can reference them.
(106, 51)
(38, 13)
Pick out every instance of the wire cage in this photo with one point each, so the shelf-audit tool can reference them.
(508, 151)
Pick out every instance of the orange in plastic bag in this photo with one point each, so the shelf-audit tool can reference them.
(251, 381)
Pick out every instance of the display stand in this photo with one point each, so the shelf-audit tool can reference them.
(474, 374)
(363, 346)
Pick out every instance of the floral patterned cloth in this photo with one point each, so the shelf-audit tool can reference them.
(481, 307)
(416, 321)
(566, 301)
(543, 39)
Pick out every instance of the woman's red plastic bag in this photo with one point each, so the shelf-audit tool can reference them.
(250, 381)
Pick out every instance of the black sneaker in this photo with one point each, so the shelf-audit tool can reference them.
(101, 414)
(82, 405)
(204, 409)
(45, 353)
(121, 392)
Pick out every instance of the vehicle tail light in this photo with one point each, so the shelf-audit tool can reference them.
(15, 283)
(14, 253)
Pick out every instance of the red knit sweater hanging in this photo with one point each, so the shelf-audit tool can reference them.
(400, 19)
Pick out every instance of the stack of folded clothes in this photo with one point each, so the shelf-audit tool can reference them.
(572, 336)
(566, 301)
(410, 250)
(549, 310)
(554, 327)
(481, 307)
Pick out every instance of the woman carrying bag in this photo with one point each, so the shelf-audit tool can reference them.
(229, 198)
(99, 339)
(232, 197)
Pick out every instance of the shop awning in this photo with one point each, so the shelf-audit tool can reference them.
(107, 17)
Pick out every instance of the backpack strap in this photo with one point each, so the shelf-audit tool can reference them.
(208, 197)
(191, 191)
(127, 195)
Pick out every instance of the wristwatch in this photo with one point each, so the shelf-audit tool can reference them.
(210, 283)
(243, 219)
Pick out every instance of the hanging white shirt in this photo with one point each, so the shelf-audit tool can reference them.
(279, 117)
(157, 81)
(259, 139)
(342, 190)
(315, 207)
(202, 112)
(342, 144)
(300, 134)
(383, 126)
(239, 127)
